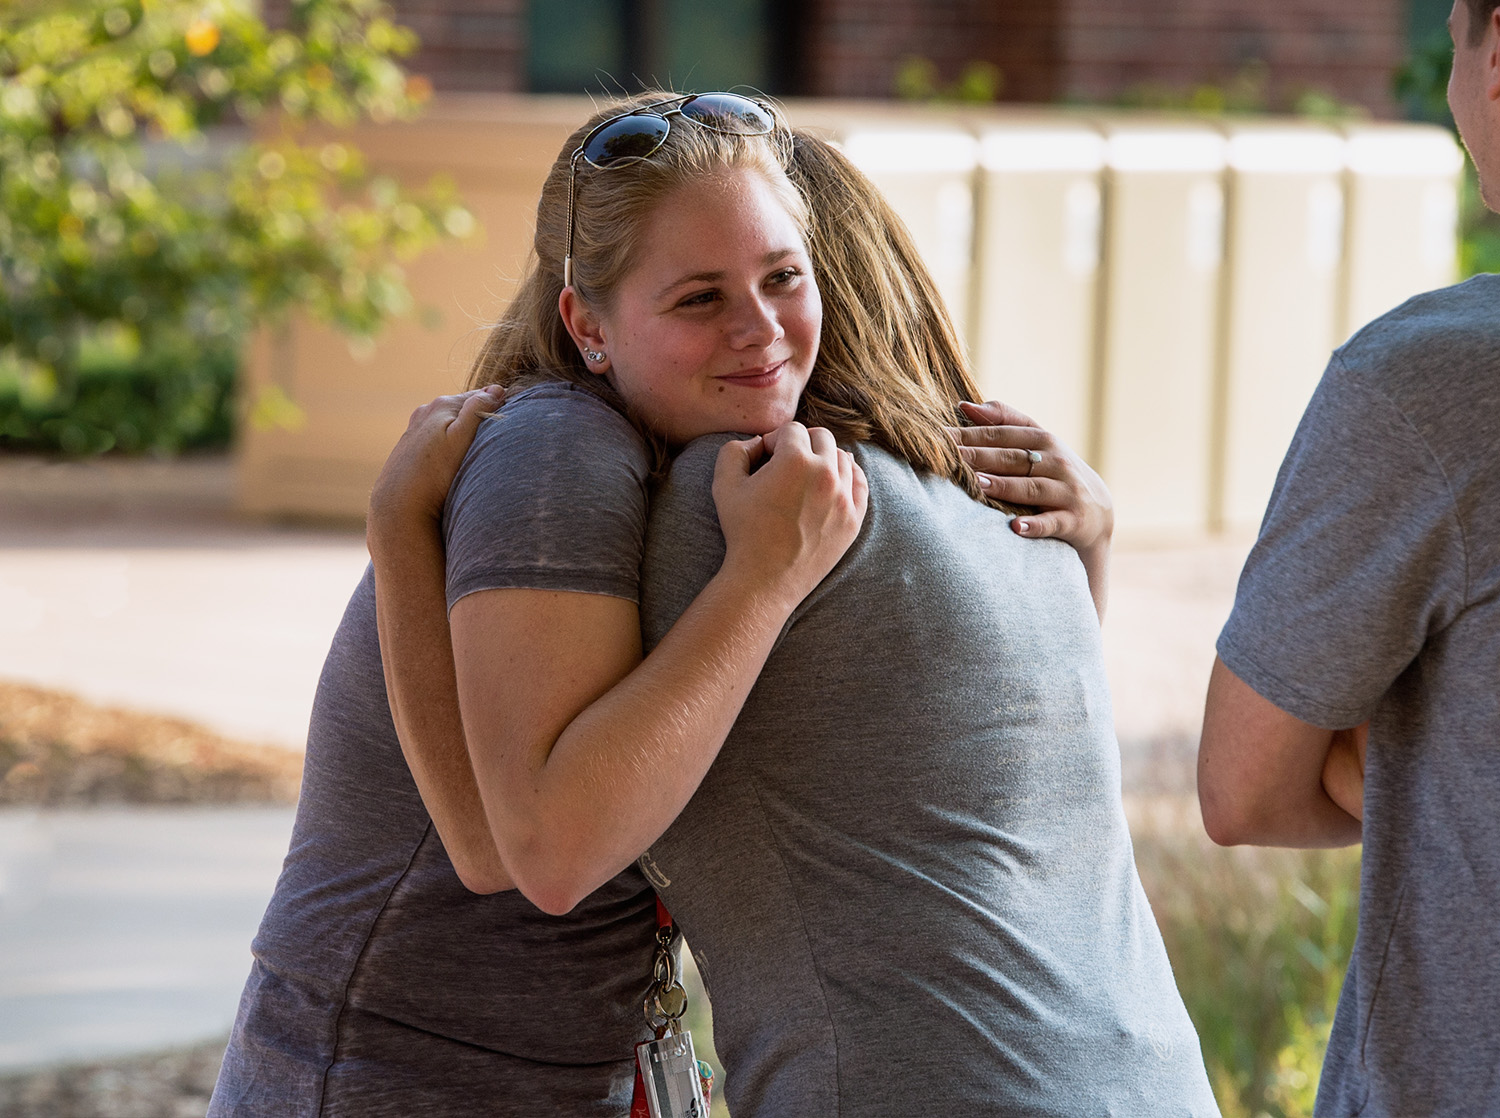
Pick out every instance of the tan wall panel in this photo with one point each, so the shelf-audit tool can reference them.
(1162, 258)
(355, 403)
(924, 161)
(1402, 187)
(1037, 270)
(1285, 239)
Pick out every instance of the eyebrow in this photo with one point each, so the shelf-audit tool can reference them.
(766, 261)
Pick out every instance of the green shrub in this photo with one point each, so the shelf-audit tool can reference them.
(177, 396)
(140, 242)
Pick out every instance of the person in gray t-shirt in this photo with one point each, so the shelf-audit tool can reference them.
(907, 878)
(1355, 696)
(381, 986)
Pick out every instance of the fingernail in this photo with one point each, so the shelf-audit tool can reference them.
(1023, 527)
(984, 481)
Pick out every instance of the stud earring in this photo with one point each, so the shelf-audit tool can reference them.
(592, 355)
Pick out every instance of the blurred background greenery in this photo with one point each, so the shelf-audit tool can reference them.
(165, 185)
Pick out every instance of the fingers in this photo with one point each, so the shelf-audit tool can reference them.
(1039, 492)
(1045, 525)
(737, 458)
(1012, 462)
(995, 413)
(474, 407)
(791, 434)
(447, 409)
(861, 487)
(1013, 437)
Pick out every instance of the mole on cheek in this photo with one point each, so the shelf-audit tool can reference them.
(721, 388)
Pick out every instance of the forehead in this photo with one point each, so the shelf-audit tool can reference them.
(721, 214)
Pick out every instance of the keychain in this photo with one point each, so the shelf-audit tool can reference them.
(670, 1081)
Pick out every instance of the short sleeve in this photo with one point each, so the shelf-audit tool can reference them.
(1360, 560)
(684, 544)
(552, 496)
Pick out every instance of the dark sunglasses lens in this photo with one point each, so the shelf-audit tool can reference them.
(630, 137)
(729, 112)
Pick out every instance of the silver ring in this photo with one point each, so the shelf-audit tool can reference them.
(1032, 458)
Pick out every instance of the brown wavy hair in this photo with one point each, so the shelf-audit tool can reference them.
(890, 368)
(1480, 12)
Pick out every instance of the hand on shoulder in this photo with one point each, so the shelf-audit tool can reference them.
(1022, 463)
(414, 482)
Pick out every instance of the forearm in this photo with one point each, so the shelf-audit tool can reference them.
(417, 654)
(627, 764)
(1260, 773)
(1096, 567)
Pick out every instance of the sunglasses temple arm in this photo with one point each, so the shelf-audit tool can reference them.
(572, 217)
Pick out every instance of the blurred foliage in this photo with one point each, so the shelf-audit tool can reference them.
(1421, 82)
(144, 228)
(1259, 941)
(918, 79)
(1247, 91)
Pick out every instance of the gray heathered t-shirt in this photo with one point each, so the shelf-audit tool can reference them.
(1374, 593)
(907, 878)
(381, 986)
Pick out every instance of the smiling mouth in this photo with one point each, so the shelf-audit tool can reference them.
(761, 377)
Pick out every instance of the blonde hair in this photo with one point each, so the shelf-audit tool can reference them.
(890, 368)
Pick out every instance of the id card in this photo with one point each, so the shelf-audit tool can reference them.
(669, 1074)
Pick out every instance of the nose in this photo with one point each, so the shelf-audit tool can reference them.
(756, 325)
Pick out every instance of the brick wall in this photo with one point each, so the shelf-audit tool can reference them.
(468, 45)
(1046, 49)
(1345, 47)
(852, 48)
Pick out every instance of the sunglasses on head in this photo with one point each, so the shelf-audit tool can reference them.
(638, 134)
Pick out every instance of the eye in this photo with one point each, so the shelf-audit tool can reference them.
(699, 299)
(785, 277)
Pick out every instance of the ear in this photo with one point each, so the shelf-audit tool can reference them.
(584, 328)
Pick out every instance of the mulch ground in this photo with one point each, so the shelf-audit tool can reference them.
(162, 1085)
(59, 750)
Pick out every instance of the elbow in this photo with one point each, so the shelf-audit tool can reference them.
(549, 877)
(483, 880)
(1228, 819)
(1225, 828)
(554, 893)
(1222, 806)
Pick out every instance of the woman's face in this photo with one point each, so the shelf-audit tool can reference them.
(716, 329)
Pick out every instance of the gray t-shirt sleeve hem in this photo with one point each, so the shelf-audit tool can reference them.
(1270, 686)
(583, 582)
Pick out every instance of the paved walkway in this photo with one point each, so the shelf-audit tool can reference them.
(127, 930)
(134, 584)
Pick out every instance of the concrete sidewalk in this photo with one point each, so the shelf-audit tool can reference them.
(134, 584)
(128, 929)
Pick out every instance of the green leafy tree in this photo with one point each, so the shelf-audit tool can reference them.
(170, 175)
